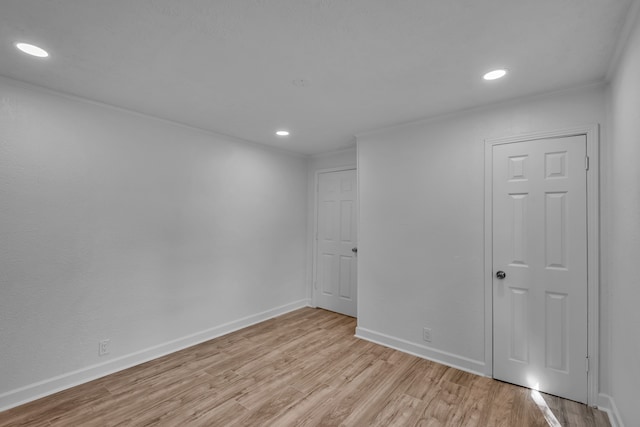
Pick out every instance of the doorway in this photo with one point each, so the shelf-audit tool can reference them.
(336, 243)
(538, 262)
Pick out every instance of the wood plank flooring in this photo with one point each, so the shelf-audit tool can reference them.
(301, 369)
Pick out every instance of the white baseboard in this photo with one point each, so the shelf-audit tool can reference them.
(459, 362)
(608, 405)
(605, 402)
(49, 386)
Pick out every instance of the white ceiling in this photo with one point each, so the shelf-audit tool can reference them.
(229, 65)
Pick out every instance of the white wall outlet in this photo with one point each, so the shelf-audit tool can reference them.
(426, 334)
(104, 347)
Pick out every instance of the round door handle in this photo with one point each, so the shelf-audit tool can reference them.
(501, 274)
(354, 250)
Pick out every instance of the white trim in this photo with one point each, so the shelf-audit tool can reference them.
(358, 221)
(49, 386)
(316, 183)
(593, 245)
(334, 152)
(123, 110)
(593, 261)
(454, 114)
(464, 364)
(608, 405)
(488, 260)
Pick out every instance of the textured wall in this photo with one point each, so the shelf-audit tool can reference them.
(116, 225)
(622, 244)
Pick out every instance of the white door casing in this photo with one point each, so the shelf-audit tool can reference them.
(539, 240)
(592, 133)
(335, 282)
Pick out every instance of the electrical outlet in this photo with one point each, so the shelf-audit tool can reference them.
(104, 347)
(426, 334)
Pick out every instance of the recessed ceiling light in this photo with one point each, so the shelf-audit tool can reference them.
(282, 133)
(495, 74)
(32, 50)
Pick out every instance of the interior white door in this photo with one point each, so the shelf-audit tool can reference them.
(539, 202)
(336, 239)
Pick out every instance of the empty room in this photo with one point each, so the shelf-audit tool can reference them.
(319, 212)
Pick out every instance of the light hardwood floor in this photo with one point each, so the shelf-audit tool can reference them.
(301, 369)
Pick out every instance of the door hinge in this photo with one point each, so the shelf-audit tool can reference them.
(586, 365)
(586, 163)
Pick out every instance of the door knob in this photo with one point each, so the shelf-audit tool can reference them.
(501, 274)
(354, 250)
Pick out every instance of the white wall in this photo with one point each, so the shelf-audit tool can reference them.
(333, 159)
(421, 250)
(116, 225)
(622, 245)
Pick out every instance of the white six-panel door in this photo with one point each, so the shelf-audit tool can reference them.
(336, 239)
(539, 203)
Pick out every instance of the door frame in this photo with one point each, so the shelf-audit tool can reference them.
(316, 205)
(592, 134)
